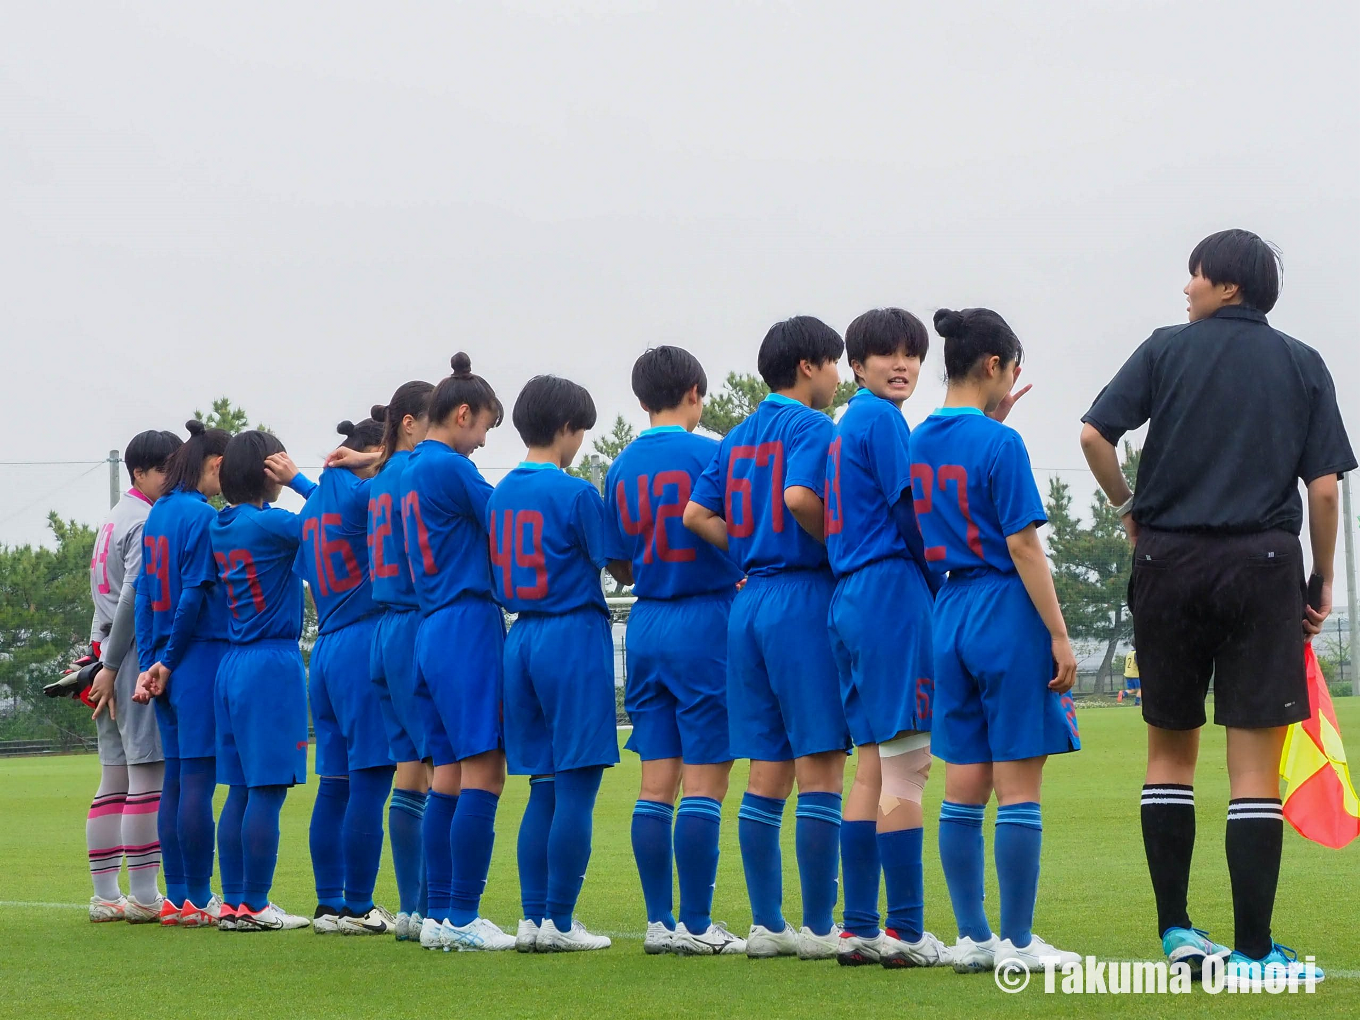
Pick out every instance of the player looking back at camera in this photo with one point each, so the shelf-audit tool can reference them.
(760, 499)
(1003, 662)
(676, 648)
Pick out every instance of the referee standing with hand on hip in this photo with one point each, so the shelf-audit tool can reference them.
(1239, 413)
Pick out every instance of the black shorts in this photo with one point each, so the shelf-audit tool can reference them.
(1226, 607)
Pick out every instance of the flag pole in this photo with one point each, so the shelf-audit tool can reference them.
(1352, 597)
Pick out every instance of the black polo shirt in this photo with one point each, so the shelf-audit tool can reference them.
(1239, 413)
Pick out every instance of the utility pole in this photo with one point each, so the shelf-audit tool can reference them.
(113, 479)
(1352, 597)
(597, 471)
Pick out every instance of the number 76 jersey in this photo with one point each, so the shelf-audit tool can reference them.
(972, 486)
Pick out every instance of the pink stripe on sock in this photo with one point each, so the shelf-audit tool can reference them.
(100, 810)
(149, 807)
(142, 849)
(143, 867)
(105, 871)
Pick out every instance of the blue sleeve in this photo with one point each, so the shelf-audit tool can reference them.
(889, 458)
(588, 520)
(302, 485)
(477, 494)
(615, 544)
(1014, 493)
(182, 630)
(708, 489)
(146, 657)
(904, 516)
(199, 566)
(282, 524)
(805, 453)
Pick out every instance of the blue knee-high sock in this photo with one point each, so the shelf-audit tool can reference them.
(962, 859)
(167, 831)
(817, 841)
(328, 850)
(652, 851)
(758, 824)
(260, 842)
(569, 840)
(471, 837)
(439, 810)
(900, 853)
(531, 850)
(363, 834)
(229, 851)
(860, 865)
(1019, 838)
(405, 818)
(697, 823)
(197, 783)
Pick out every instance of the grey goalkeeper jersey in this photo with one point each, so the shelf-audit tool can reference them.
(117, 559)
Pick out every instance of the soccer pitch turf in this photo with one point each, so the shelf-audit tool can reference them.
(1094, 898)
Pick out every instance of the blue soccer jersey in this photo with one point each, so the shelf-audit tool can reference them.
(177, 553)
(645, 492)
(388, 565)
(782, 444)
(443, 510)
(333, 557)
(868, 470)
(547, 541)
(973, 487)
(255, 550)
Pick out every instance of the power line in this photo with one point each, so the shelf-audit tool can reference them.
(52, 492)
(49, 463)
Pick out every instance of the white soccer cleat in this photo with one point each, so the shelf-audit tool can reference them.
(526, 936)
(856, 950)
(717, 941)
(574, 940)
(378, 921)
(171, 915)
(107, 910)
(659, 939)
(137, 912)
(970, 957)
(431, 934)
(1032, 956)
(762, 943)
(812, 946)
(927, 951)
(325, 921)
(207, 916)
(271, 918)
(477, 936)
(226, 918)
(408, 927)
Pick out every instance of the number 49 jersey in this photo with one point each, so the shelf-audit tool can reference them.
(645, 492)
(333, 557)
(255, 549)
(973, 486)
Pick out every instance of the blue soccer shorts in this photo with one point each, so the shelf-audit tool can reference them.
(559, 693)
(406, 708)
(346, 709)
(783, 689)
(262, 715)
(186, 712)
(993, 664)
(459, 660)
(881, 637)
(676, 691)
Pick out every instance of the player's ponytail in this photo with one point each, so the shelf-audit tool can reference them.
(412, 400)
(364, 436)
(462, 388)
(972, 335)
(184, 469)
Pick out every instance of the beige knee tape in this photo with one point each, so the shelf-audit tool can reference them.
(904, 777)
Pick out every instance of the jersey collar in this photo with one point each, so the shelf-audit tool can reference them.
(779, 398)
(1239, 312)
(137, 493)
(659, 429)
(951, 412)
(537, 465)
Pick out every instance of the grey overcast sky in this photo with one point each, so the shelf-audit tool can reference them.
(303, 205)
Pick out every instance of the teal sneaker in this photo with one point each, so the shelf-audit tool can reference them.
(1192, 946)
(1281, 961)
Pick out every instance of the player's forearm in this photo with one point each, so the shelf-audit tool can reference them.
(123, 631)
(1323, 517)
(1032, 565)
(621, 571)
(706, 524)
(1103, 460)
(807, 509)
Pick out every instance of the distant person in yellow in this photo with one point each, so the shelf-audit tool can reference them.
(1132, 684)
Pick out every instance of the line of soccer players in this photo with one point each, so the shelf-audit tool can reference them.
(792, 602)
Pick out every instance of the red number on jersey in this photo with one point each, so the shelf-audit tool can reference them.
(923, 503)
(833, 520)
(765, 455)
(644, 523)
(670, 509)
(531, 522)
(99, 559)
(156, 563)
(226, 564)
(410, 513)
(379, 530)
(925, 697)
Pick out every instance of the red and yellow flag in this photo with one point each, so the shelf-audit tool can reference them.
(1319, 800)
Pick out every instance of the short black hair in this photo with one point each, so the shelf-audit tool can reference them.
(801, 338)
(149, 450)
(362, 436)
(462, 387)
(242, 474)
(972, 334)
(549, 403)
(663, 375)
(185, 468)
(1243, 258)
(885, 331)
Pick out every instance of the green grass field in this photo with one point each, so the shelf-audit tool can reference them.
(1094, 898)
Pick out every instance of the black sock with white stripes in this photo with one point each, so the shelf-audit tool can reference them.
(1169, 842)
(1254, 840)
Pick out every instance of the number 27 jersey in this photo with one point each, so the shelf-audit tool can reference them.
(972, 486)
